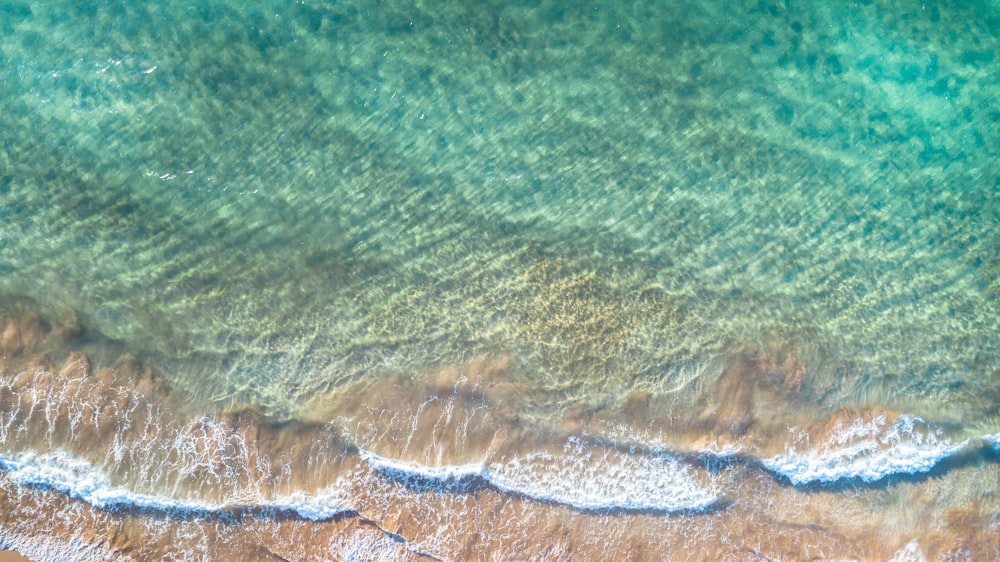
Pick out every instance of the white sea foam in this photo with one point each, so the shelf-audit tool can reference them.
(993, 440)
(415, 472)
(44, 547)
(325, 504)
(868, 450)
(616, 481)
(582, 476)
(859, 461)
(81, 480)
(909, 553)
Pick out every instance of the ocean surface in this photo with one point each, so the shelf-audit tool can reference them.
(316, 280)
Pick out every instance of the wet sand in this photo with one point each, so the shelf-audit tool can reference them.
(676, 280)
(141, 474)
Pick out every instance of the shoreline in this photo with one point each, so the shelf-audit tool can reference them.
(416, 493)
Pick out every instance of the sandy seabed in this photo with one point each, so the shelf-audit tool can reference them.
(111, 463)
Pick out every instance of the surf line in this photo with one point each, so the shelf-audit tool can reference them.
(680, 492)
(80, 480)
(854, 466)
(865, 464)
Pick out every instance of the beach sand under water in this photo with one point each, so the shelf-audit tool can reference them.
(113, 463)
(629, 281)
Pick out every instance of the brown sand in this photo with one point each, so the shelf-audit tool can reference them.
(11, 556)
(463, 413)
(783, 525)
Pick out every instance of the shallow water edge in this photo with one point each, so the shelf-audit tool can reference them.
(123, 466)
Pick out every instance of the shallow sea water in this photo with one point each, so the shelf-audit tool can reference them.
(674, 280)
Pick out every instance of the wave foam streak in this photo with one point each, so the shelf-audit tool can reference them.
(138, 438)
(868, 450)
(119, 466)
(80, 480)
(579, 477)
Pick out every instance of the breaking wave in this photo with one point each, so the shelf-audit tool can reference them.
(867, 450)
(581, 477)
(79, 479)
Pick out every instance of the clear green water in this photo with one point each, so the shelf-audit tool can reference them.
(278, 197)
(282, 196)
(271, 202)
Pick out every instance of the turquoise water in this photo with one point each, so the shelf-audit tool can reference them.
(278, 206)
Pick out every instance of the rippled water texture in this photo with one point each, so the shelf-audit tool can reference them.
(464, 281)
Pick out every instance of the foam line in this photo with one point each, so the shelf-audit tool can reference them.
(583, 477)
(993, 440)
(615, 482)
(44, 547)
(80, 480)
(859, 462)
(419, 475)
(444, 473)
(867, 450)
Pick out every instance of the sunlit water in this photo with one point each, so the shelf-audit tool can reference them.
(555, 281)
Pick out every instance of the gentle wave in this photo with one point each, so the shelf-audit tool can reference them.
(81, 480)
(46, 547)
(993, 440)
(867, 450)
(580, 478)
(859, 462)
(614, 482)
